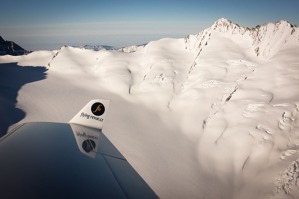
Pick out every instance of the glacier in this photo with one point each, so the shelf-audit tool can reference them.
(212, 115)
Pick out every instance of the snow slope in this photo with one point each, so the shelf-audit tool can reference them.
(212, 115)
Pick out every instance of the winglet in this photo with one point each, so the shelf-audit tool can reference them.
(93, 114)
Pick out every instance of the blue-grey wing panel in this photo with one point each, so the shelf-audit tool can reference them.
(55, 160)
(42, 160)
(130, 181)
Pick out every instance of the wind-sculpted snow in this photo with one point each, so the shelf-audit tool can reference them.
(213, 115)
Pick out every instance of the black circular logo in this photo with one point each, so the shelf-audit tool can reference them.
(88, 145)
(98, 109)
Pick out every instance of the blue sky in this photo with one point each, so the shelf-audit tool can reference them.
(36, 24)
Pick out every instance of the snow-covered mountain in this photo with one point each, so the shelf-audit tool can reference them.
(11, 48)
(212, 115)
(265, 40)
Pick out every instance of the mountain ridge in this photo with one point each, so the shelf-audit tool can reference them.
(266, 39)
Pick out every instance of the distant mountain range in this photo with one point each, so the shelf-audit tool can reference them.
(98, 47)
(11, 48)
(127, 49)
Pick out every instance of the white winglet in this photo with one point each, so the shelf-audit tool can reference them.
(93, 114)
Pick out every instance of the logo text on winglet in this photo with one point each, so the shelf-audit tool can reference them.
(87, 116)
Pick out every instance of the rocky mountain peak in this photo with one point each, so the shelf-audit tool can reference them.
(224, 25)
(11, 48)
(223, 21)
(1, 39)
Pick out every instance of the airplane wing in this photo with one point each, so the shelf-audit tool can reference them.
(66, 160)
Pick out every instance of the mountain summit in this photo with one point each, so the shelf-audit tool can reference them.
(11, 48)
(224, 23)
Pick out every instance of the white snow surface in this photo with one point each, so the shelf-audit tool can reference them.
(212, 115)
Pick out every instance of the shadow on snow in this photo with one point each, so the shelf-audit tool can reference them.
(12, 78)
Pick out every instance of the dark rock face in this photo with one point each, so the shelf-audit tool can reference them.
(11, 48)
(1, 39)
